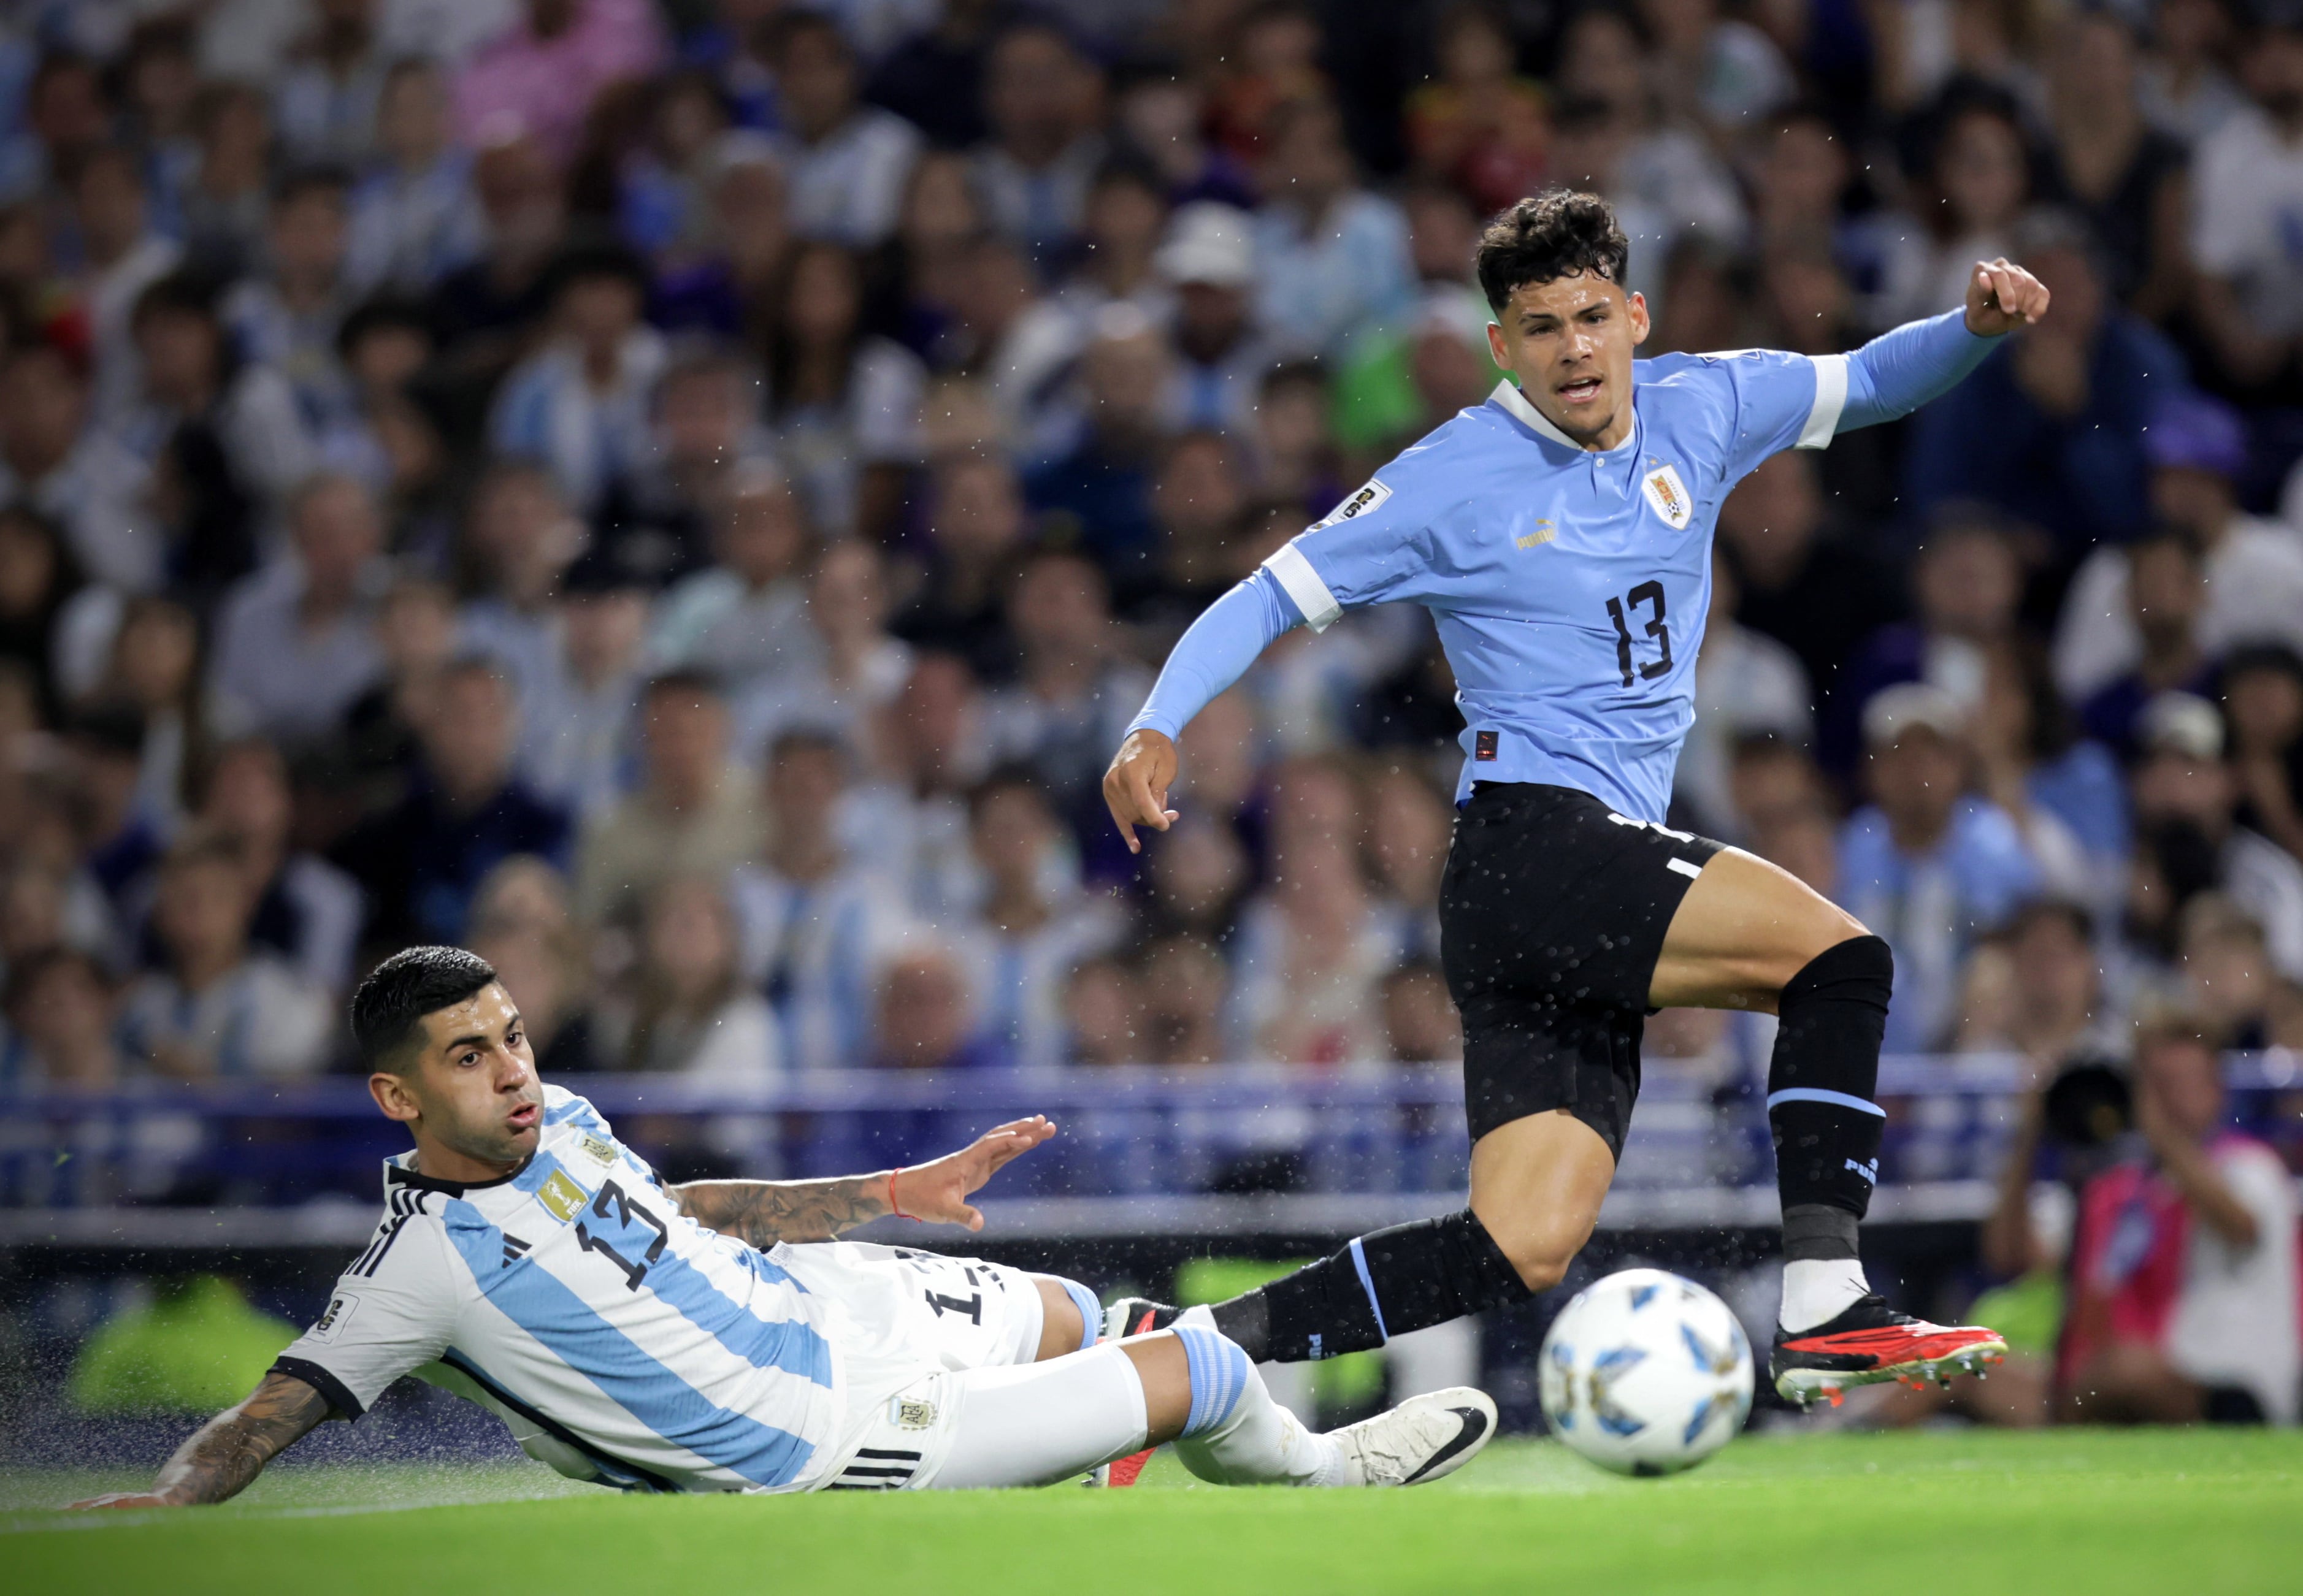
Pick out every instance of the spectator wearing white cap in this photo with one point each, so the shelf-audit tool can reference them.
(1222, 355)
(1928, 866)
(2184, 791)
(2196, 446)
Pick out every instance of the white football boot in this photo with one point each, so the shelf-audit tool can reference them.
(1425, 1438)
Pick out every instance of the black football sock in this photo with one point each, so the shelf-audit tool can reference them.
(1384, 1284)
(1826, 1124)
(1247, 1319)
(1820, 1088)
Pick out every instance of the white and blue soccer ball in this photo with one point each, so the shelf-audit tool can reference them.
(1646, 1374)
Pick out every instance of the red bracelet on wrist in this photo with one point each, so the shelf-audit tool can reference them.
(895, 1207)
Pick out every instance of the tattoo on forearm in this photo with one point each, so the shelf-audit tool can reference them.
(766, 1211)
(232, 1448)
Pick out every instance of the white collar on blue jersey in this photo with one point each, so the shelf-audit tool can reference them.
(1517, 405)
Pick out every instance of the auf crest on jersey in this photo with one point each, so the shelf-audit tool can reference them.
(1669, 496)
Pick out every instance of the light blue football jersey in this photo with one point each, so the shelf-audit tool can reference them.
(1569, 586)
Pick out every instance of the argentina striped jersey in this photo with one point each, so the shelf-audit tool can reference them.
(621, 1340)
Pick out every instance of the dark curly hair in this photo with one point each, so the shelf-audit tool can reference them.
(413, 982)
(1550, 236)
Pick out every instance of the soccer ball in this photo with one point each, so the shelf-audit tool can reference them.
(1646, 1374)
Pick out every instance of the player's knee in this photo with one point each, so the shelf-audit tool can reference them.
(1857, 965)
(1071, 1317)
(1540, 1254)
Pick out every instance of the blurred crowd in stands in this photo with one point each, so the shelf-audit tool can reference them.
(684, 497)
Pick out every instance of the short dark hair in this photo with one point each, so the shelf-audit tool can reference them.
(807, 739)
(687, 682)
(330, 181)
(1555, 235)
(383, 313)
(29, 971)
(185, 293)
(594, 263)
(2076, 917)
(397, 995)
(785, 28)
(1010, 777)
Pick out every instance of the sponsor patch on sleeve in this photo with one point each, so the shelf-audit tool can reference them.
(603, 1152)
(341, 1307)
(1370, 496)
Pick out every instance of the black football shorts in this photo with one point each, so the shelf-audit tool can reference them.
(1552, 915)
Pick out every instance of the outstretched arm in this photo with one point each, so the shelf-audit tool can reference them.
(763, 1212)
(1900, 370)
(1209, 658)
(232, 1448)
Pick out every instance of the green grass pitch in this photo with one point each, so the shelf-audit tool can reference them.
(1935, 1514)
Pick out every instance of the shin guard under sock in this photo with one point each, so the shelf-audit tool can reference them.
(1821, 1085)
(1235, 1434)
(1384, 1284)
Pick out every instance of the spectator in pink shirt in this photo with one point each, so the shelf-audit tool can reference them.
(540, 77)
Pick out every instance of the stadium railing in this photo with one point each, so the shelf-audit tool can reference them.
(1212, 1152)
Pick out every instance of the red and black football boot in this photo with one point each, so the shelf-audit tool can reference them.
(1871, 1342)
(1131, 1316)
(1135, 1316)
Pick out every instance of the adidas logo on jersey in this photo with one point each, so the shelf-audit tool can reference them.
(514, 1251)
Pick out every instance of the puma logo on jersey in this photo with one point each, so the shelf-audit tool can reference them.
(1543, 533)
(1669, 496)
(1368, 498)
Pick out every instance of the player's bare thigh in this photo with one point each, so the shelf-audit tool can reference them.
(1742, 931)
(1061, 1328)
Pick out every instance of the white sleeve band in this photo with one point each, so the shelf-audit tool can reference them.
(1303, 583)
(1830, 399)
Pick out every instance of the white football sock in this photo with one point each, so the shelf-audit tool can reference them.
(1236, 1435)
(1816, 1290)
(1262, 1444)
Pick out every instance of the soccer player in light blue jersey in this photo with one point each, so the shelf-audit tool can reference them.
(713, 1336)
(1560, 536)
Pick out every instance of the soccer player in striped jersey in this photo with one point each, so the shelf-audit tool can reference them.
(713, 1336)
